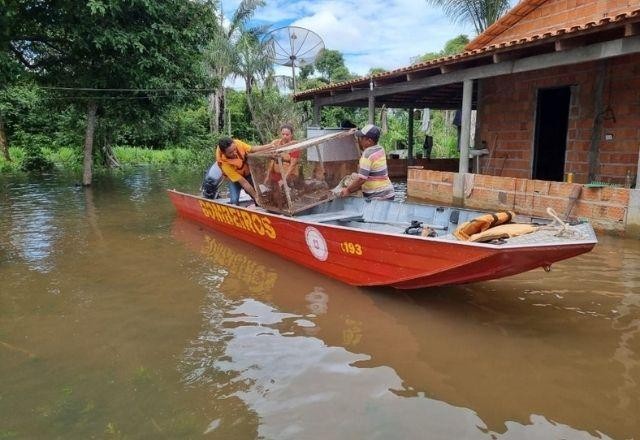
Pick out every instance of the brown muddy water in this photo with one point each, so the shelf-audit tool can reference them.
(119, 320)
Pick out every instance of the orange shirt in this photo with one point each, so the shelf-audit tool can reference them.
(287, 158)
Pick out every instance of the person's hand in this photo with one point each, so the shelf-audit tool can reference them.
(345, 192)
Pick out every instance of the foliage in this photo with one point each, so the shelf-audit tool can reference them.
(337, 116)
(71, 158)
(112, 45)
(481, 13)
(238, 113)
(271, 109)
(445, 138)
(445, 135)
(376, 71)
(183, 125)
(330, 64)
(451, 47)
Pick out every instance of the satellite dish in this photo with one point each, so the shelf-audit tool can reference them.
(293, 46)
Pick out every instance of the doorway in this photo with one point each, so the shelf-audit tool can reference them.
(550, 145)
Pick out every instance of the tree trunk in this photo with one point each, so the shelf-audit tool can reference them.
(87, 175)
(109, 157)
(4, 145)
(221, 111)
(214, 110)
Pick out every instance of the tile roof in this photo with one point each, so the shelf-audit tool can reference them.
(512, 17)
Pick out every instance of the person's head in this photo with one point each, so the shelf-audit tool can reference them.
(286, 132)
(368, 136)
(227, 147)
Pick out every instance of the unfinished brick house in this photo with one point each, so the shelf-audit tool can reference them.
(556, 86)
(580, 118)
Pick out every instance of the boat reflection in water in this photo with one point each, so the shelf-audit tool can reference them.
(308, 354)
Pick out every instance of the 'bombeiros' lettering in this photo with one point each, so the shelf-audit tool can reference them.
(249, 221)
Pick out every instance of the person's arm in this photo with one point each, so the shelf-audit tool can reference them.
(292, 164)
(353, 187)
(259, 148)
(360, 178)
(248, 188)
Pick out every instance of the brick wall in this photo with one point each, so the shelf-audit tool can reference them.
(398, 167)
(606, 207)
(506, 119)
(559, 14)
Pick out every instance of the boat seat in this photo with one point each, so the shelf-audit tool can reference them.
(324, 217)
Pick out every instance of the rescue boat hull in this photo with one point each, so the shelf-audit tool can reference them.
(363, 257)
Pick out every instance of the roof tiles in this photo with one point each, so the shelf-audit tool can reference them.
(507, 21)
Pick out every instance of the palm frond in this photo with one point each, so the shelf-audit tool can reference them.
(245, 10)
(480, 13)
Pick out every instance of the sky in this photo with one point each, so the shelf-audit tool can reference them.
(369, 33)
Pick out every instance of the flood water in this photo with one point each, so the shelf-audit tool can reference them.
(120, 320)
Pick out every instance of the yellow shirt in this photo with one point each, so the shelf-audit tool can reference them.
(236, 168)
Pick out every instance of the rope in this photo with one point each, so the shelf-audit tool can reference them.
(562, 228)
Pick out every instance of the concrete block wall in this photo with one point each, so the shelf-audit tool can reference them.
(563, 14)
(606, 208)
(507, 112)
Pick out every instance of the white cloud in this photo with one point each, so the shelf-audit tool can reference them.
(372, 33)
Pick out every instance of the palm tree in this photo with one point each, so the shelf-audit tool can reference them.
(254, 66)
(482, 13)
(223, 58)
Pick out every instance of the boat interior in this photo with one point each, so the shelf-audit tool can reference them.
(435, 222)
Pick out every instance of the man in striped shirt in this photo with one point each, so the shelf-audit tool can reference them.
(372, 176)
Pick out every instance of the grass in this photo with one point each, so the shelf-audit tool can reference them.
(69, 158)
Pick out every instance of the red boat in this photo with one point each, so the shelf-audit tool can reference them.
(373, 243)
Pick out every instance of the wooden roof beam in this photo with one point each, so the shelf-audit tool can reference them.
(631, 29)
(501, 57)
(568, 44)
(593, 52)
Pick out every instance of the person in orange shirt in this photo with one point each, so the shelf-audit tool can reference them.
(231, 156)
(276, 177)
(289, 160)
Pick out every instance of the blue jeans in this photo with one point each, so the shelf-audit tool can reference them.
(234, 190)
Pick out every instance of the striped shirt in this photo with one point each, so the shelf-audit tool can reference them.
(373, 167)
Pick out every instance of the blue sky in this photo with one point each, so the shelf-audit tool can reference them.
(369, 33)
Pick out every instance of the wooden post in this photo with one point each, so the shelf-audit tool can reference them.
(316, 113)
(372, 104)
(465, 133)
(410, 136)
(638, 172)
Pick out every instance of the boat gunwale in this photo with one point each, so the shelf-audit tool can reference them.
(498, 247)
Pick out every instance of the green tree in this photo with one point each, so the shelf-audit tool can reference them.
(100, 45)
(451, 47)
(330, 64)
(376, 71)
(481, 13)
